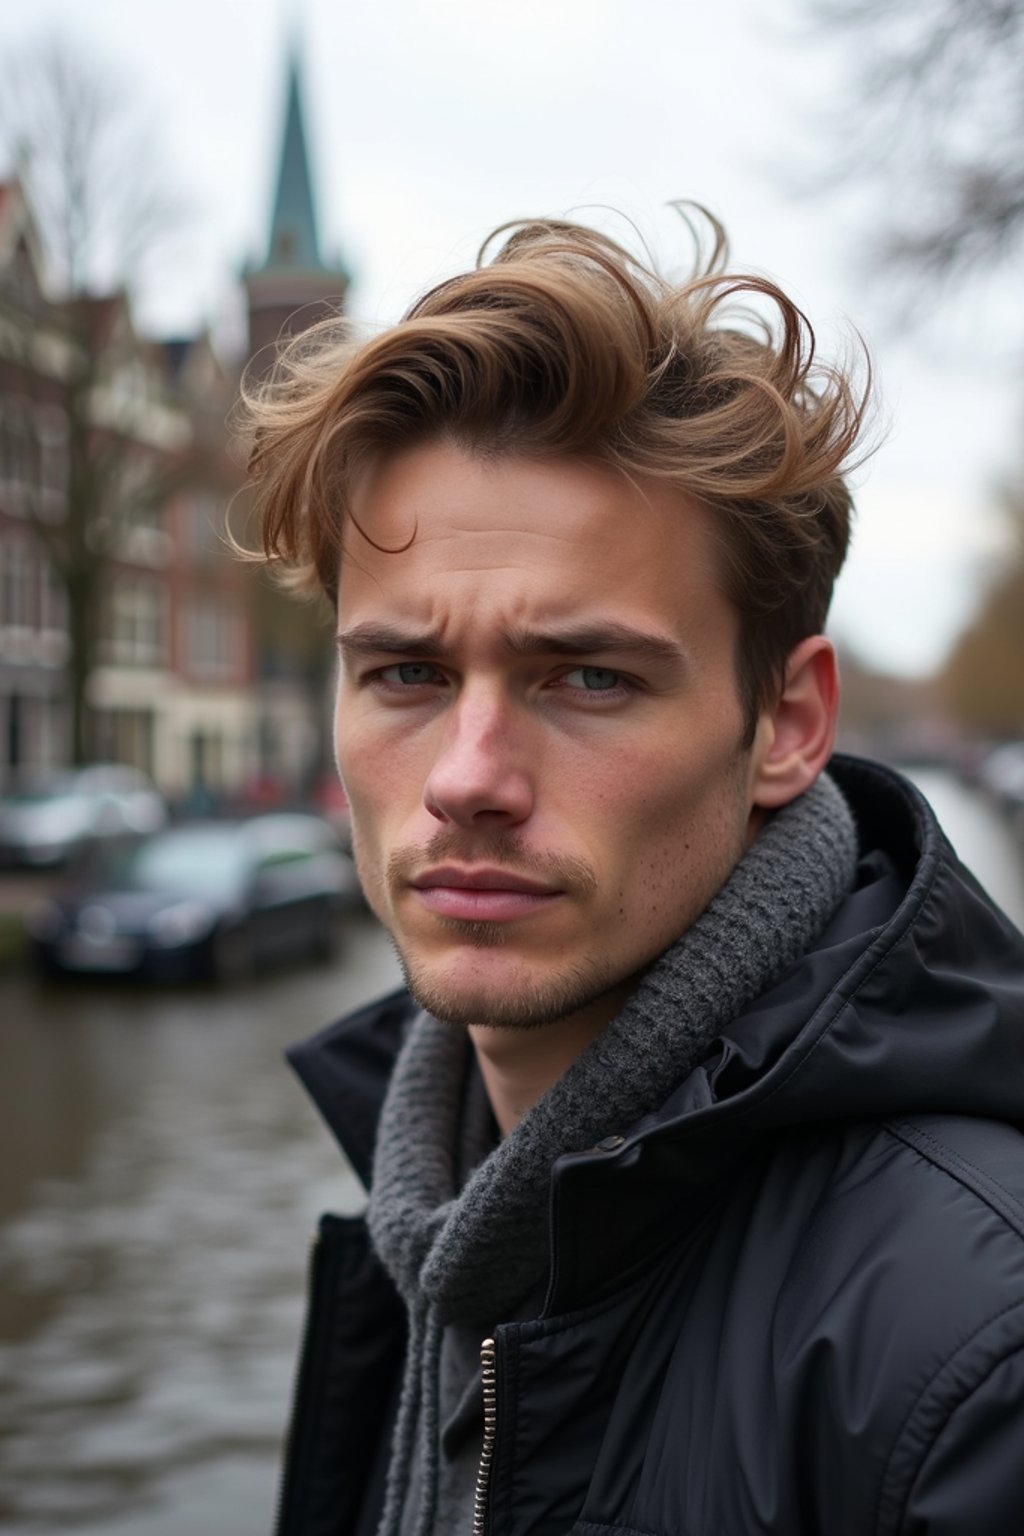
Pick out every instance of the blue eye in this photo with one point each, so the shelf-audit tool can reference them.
(411, 673)
(594, 679)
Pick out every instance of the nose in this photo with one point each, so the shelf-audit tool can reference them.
(479, 777)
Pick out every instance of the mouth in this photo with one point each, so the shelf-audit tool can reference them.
(485, 894)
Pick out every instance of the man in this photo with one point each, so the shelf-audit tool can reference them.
(695, 1187)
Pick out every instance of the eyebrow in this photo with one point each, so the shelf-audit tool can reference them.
(383, 639)
(569, 640)
(594, 639)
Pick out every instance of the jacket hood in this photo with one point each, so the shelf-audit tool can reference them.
(911, 1002)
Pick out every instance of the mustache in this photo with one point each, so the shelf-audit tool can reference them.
(504, 849)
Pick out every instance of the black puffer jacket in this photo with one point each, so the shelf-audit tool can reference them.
(790, 1299)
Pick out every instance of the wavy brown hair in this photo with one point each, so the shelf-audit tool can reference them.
(564, 344)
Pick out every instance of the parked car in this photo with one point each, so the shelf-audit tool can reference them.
(214, 899)
(55, 821)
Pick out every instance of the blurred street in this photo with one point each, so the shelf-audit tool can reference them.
(160, 1174)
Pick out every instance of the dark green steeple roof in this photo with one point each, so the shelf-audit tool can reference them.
(294, 244)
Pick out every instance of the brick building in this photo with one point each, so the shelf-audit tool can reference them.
(33, 618)
(202, 674)
(111, 487)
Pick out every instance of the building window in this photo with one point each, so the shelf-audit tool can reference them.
(206, 759)
(204, 527)
(210, 638)
(53, 605)
(126, 736)
(17, 580)
(137, 623)
(52, 436)
(17, 444)
(139, 508)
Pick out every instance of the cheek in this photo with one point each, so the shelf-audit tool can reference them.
(368, 760)
(679, 824)
(359, 786)
(381, 774)
(645, 792)
(369, 796)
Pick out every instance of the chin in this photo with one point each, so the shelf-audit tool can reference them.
(516, 996)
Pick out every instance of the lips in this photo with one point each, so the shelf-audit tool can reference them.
(484, 894)
(483, 879)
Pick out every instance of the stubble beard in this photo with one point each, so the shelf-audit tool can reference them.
(519, 999)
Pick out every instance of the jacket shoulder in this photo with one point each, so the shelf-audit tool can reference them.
(848, 1337)
(958, 1448)
(904, 1311)
(913, 1231)
(984, 1157)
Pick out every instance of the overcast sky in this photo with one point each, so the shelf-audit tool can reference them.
(434, 120)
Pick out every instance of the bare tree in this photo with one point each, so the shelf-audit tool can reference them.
(930, 129)
(982, 680)
(95, 193)
(933, 114)
(87, 153)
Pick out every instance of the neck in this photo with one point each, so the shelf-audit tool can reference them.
(519, 1066)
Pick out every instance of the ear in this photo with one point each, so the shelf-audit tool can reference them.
(795, 736)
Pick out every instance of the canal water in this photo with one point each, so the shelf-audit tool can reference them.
(160, 1176)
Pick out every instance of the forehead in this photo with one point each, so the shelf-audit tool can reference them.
(447, 533)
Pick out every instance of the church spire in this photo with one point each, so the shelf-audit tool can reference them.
(294, 287)
(294, 244)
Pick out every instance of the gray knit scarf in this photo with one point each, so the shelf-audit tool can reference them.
(471, 1255)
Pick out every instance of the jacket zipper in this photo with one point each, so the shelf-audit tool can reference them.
(489, 1376)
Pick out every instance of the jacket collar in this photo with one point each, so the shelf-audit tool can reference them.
(345, 1069)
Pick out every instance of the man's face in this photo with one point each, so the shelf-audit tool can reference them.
(538, 728)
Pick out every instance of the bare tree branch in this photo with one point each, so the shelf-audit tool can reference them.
(97, 194)
(933, 111)
(88, 156)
